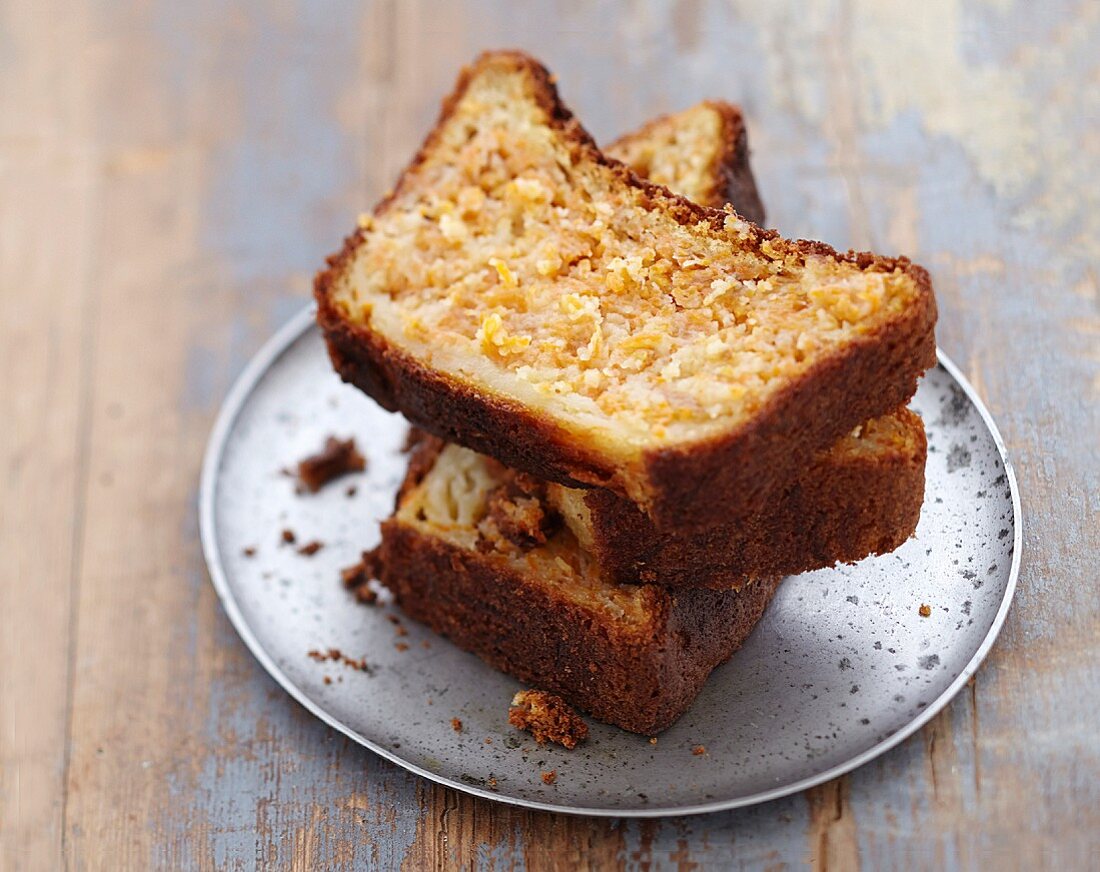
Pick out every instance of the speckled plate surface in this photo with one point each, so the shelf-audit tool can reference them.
(841, 668)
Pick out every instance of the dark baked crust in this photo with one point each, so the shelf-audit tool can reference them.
(838, 511)
(736, 470)
(639, 678)
(733, 181)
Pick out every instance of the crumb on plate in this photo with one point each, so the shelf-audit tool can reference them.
(337, 458)
(547, 717)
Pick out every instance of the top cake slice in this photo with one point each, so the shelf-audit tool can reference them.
(524, 295)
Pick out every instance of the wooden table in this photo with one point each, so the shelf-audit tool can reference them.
(172, 175)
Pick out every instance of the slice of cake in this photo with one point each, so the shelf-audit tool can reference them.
(861, 496)
(522, 294)
(475, 552)
(701, 153)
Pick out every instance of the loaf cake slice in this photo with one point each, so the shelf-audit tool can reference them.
(861, 496)
(474, 552)
(701, 153)
(523, 295)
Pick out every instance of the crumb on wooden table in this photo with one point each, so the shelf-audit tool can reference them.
(547, 717)
(337, 458)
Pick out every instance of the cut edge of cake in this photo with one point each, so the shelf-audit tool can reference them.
(631, 655)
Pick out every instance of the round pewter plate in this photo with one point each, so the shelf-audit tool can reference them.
(841, 668)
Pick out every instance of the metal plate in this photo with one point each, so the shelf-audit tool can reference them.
(841, 668)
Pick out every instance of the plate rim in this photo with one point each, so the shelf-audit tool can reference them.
(290, 333)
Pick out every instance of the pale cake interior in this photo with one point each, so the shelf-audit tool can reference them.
(679, 151)
(512, 264)
(451, 503)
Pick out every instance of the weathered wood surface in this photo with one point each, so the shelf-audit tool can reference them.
(170, 176)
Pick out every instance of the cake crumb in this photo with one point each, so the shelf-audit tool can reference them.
(288, 537)
(488, 740)
(653, 740)
(699, 750)
(492, 782)
(925, 610)
(337, 458)
(367, 595)
(357, 577)
(250, 551)
(311, 548)
(327, 679)
(335, 655)
(351, 491)
(547, 717)
(456, 725)
(550, 777)
(401, 646)
(413, 437)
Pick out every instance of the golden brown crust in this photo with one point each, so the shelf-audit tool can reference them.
(840, 510)
(729, 170)
(639, 678)
(423, 453)
(737, 469)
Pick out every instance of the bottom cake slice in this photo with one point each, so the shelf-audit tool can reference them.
(483, 561)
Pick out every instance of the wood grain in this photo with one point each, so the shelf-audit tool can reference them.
(170, 177)
(49, 181)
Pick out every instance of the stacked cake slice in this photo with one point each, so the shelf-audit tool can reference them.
(644, 409)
